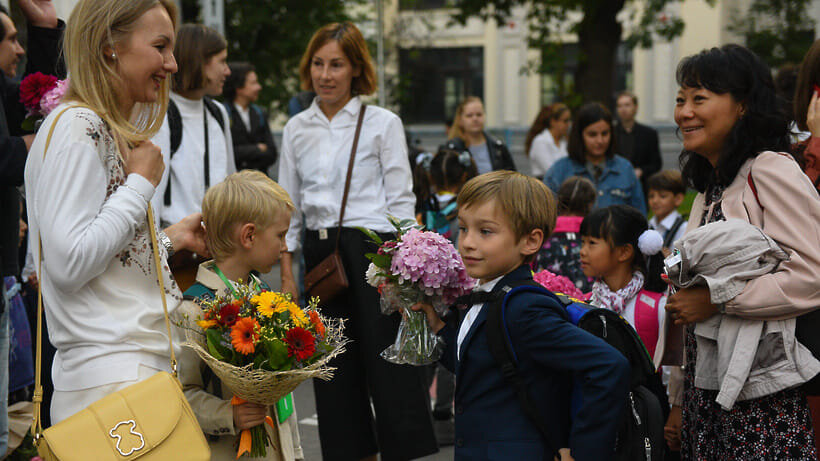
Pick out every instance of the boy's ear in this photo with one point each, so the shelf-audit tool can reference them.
(679, 199)
(247, 232)
(532, 242)
(624, 253)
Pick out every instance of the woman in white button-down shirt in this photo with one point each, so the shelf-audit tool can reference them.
(316, 148)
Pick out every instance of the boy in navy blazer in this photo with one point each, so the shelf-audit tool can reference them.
(504, 218)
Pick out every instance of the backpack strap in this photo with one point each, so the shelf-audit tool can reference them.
(754, 189)
(670, 236)
(175, 127)
(210, 104)
(501, 348)
(229, 109)
(646, 319)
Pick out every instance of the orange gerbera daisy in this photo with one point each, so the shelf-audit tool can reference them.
(244, 335)
(317, 323)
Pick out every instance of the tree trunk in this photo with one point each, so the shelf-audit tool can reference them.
(599, 35)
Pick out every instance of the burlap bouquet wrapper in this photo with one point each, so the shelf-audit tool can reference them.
(262, 386)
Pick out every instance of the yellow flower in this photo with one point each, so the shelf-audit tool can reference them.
(298, 316)
(269, 303)
(205, 324)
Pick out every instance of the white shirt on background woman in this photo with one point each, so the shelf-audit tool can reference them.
(186, 168)
(313, 168)
(544, 151)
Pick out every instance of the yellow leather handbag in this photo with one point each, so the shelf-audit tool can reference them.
(149, 420)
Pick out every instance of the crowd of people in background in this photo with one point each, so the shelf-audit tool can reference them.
(156, 116)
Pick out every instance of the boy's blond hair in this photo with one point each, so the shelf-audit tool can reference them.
(248, 196)
(526, 201)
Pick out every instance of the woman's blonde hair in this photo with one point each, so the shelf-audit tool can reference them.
(248, 196)
(455, 130)
(93, 26)
(352, 43)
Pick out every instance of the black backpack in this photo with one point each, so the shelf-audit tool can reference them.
(640, 436)
(175, 126)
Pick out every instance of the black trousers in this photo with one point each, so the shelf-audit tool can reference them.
(402, 428)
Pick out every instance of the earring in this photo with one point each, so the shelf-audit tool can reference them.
(113, 55)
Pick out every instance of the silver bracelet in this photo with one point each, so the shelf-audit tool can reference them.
(166, 242)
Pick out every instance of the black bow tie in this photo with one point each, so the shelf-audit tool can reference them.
(476, 297)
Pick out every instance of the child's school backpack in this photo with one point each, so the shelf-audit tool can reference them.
(640, 436)
(440, 219)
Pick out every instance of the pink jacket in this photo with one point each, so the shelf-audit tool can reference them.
(790, 215)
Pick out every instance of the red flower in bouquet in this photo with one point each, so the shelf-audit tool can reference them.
(33, 87)
(229, 314)
(317, 323)
(244, 335)
(301, 343)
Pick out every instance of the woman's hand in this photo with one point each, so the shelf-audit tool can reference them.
(690, 305)
(146, 161)
(188, 234)
(563, 455)
(433, 319)
(813, 115)
(671, 432)
(39, 13)
(248, 415)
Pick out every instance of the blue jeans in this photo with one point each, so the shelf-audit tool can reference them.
(4, 371)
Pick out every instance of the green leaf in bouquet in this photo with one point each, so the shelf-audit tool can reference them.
(215, 346)
(374, 237)
(259, 361)
(277, 354)
(407, 224)
(382, 261)
(394, 222)
(30, 123)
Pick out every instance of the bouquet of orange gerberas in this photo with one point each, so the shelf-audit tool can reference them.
(261, 345)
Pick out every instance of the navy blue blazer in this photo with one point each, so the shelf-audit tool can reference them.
(489, 422)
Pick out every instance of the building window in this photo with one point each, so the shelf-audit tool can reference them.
(558, 86)
(434, 80)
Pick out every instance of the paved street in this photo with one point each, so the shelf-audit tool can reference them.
(306, 410)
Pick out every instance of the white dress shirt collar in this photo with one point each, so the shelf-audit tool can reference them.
(666, 223)
(472, 314)
(352, 107)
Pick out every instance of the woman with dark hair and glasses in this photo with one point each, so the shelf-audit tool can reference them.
(736, 143)
(253, 146)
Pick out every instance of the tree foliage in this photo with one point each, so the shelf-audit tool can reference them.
(598, 25)
(272, 35)
(779, 31)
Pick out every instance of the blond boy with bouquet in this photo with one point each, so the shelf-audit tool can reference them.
(246, 218)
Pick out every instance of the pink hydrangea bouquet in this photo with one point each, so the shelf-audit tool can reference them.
(419, 266)
(557, 284)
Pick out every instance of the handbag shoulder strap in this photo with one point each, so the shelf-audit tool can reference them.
(37, 400)
(350, 171)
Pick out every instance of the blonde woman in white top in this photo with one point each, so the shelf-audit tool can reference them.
(546, 141)
(316, 147)
(88, 198)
